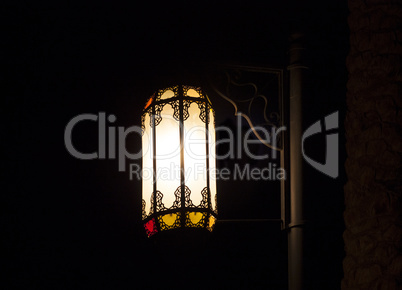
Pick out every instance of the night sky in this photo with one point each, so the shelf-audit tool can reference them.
(73, 223)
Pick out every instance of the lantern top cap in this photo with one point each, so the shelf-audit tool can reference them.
(177, 92)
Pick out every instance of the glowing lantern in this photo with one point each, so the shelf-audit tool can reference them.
(178, 161)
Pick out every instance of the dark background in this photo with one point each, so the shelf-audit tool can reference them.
(70, 223)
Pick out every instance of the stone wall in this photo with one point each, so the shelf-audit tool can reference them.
(373, 128)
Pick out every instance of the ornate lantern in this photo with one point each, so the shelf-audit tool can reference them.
(178, 161)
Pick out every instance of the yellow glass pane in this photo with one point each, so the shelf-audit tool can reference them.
(195, 217)
(169, 219)
(211, 222)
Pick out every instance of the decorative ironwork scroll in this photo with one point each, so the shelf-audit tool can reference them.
(256, 94)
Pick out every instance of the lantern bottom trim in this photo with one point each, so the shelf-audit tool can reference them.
(170, 219)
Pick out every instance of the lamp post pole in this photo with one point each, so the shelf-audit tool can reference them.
(296, 226)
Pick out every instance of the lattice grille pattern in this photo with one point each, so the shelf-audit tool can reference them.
(158, 117)
(159, 204)
(144, 213)
(204, 202)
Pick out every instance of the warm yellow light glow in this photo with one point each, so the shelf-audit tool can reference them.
(195, 153)
(168, 155)
(212, 159)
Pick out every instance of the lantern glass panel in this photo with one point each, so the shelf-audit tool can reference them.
(195, 217)
(150, 227)
(168, 155)
(192, 93)
(195, 163)
(169, 219)
(211, 222)
(212, 162)
(167, 94)
(147, 180)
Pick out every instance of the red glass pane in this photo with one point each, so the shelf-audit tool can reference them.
(150, 227)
